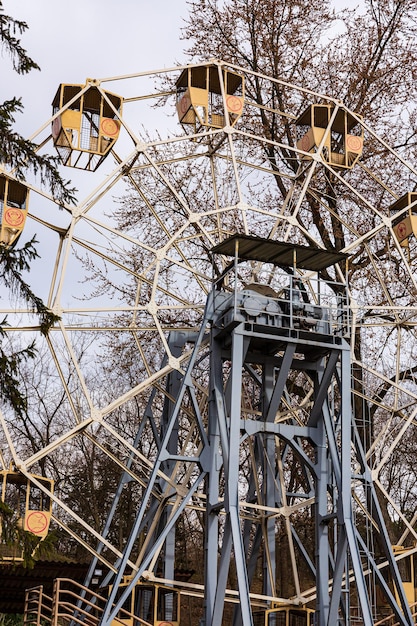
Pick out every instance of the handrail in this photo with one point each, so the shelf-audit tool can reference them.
(38, 607)
(389, 620)
(72, 603)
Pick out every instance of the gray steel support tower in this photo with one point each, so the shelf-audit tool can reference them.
(276, 456)
(270, 339)
(301, 334)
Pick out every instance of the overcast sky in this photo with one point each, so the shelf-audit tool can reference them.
(77, 39)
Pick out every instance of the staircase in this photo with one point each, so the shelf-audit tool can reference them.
(71, 604)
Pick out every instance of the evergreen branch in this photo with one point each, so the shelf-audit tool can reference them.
(9, 27)
(20, 154)
(9, 370)
(14, 262)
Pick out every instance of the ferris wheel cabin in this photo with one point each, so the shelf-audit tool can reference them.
(209, 97)
(86, 125)
(29, 505)
(340, 135)
(158, 605)
(13, 210)
(406, 224)
(284, 616)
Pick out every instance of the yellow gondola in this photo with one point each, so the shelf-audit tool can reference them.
(30, 505)
(13, 210)
(156, 604)
(200, 101)
(406, 224)
(343, 143)
(406, 565)
(284, 616)
(87, 128)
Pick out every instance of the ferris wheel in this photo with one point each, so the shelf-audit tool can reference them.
(132, 270)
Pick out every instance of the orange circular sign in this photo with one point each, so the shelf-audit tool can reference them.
(401, 230)
(234, 104)
(305, 143)
(165, 624)
(36, 522)
(109, 127)
(14, 217)
(56, 127)
(354, 143)
(184, 103)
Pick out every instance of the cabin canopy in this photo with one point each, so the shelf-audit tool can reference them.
(284, 254)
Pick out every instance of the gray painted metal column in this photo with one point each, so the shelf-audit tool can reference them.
(275, 451)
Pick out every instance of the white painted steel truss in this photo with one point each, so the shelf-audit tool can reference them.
(138, 276)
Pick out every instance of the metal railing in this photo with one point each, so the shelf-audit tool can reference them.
(38, 607)
(391, 620)
(71, 604)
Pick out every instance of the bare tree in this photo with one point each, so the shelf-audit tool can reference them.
(363, 57)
